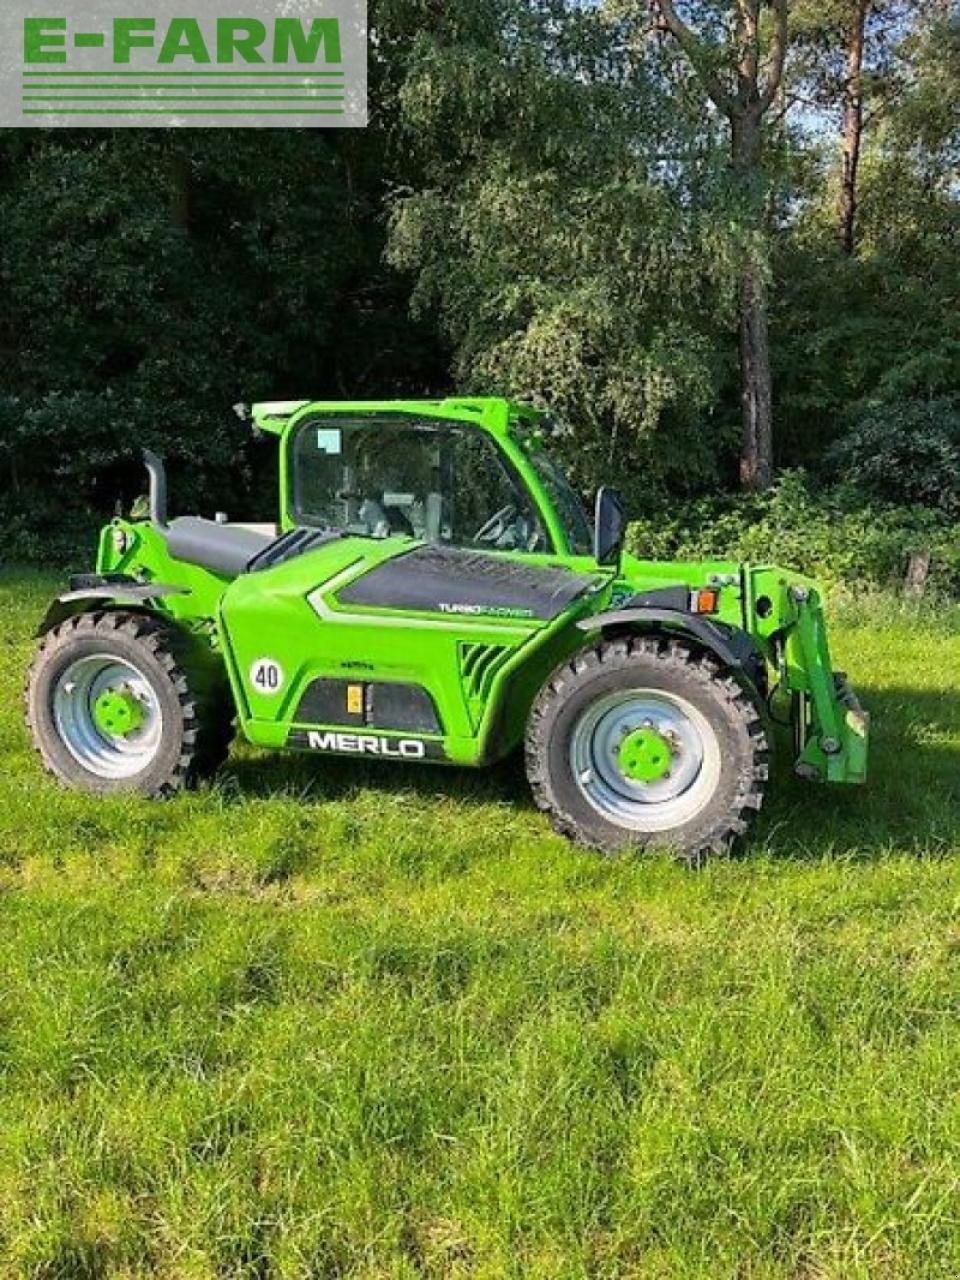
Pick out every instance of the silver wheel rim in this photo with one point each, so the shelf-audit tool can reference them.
(656, 806)
(107, 755)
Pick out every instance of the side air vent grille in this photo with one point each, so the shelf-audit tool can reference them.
(479, 664)
(293, 543)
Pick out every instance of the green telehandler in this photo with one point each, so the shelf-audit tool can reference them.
(434, 591)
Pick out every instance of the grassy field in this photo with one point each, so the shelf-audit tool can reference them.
(340, 1021)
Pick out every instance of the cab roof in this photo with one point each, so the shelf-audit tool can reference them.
(491, 413)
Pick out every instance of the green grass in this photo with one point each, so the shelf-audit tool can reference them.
(327, 1020)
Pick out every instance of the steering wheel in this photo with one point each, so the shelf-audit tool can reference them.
(496, 526)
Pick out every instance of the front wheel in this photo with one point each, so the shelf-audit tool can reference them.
(641, 741)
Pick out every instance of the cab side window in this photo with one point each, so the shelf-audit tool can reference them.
(434, 481)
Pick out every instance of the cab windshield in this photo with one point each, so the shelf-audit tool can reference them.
(438, 481)
(563, 499)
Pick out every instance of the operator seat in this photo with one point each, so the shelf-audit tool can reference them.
(383, 520)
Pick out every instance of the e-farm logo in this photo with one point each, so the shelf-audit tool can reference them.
(254, 63)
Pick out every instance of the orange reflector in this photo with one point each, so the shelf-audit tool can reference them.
(705, 601)
(355, 699)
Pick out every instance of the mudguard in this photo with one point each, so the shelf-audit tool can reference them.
(731, 649)
(87, 590)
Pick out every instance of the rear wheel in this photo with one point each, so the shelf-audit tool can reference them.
(121, 701)
(641, 741)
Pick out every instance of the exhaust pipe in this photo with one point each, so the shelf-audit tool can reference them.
(158, 489)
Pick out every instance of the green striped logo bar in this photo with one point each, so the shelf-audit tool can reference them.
(170, 64)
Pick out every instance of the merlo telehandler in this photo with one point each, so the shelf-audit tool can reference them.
(433, 590)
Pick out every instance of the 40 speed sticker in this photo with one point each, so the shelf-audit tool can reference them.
(366, 744)
(266, 676)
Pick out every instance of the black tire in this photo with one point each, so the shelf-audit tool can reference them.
(216, 716)
(194, 716)
(664, 670)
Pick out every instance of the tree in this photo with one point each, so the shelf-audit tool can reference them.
(564, 232)
(881, 326)
(745, 103)
(846, 66)
(151, 279)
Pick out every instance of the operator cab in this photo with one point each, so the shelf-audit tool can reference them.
(380, 473)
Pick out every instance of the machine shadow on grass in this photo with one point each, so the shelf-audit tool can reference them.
(337, 777)
(911, 800)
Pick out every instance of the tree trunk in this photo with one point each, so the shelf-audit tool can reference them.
(756, 395)
(852, 127)
(745, 108)
(180, 189)
(918, 570)
(756, 383)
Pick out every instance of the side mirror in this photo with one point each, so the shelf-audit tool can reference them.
(609, 526)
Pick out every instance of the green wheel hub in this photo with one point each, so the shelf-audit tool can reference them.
(117, 712)
(644, 755)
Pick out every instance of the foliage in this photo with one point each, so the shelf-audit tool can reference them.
(541, 205)
(836, 535)
(331, 1020)
(880, 328)
(152, 280)
(575, 259)
(851, 335)
(906, 453)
